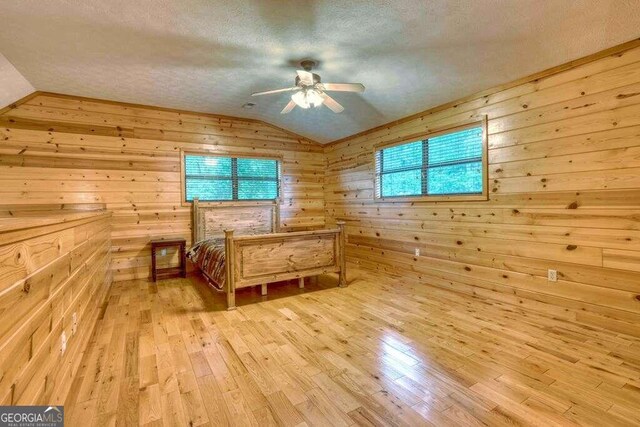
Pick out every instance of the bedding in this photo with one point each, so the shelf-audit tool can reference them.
(209, 256)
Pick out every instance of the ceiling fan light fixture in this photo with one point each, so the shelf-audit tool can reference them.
(300, 98)
(310, 92)
(314, 98)
(307, 98)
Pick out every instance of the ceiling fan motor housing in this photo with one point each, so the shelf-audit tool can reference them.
(316, 79)
(307, 64)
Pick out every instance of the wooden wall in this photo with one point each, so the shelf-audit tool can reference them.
(61, 149)
(564, 183)
(57, 266)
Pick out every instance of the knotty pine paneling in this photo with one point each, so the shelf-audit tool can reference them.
(564, 182)
(61, 149)
(48, 272)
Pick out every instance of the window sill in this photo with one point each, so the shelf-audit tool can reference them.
(233, 203)
(423, 199)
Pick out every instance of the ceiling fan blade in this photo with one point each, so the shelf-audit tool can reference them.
(331, 103)
(269, 92)
(344, 87)
(306, 78)
(288, 107)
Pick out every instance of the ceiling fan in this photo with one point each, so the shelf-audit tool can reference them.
(310, 91)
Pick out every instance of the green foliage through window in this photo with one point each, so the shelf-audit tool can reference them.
(447, 164)
(214, 178)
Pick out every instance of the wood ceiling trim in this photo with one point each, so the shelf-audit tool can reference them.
(16, 104)
(615, 50)
(19, 102)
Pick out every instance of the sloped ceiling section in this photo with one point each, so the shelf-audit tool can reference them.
(13, 85)
(209, 56)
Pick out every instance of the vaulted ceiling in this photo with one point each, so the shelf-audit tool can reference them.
(209, 56)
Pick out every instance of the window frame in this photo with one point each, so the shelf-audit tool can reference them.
(258, 156)
(477, 122)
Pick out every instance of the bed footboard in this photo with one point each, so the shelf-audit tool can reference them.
(260, 259)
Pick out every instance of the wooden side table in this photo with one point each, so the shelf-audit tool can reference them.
(159, 243)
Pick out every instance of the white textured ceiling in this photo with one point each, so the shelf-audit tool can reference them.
(208, 56)
(13, 85)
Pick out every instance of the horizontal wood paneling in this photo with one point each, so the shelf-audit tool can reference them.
(49, 272)
(564, 184)
(67, 150)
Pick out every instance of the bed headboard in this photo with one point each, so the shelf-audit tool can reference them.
(212, 220)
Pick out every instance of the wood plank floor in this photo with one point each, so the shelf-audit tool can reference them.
(380, 352)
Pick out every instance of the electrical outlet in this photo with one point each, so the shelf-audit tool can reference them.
(163, 252)
(63, 343)
(552, 275)
(74, 323)
(417, 251)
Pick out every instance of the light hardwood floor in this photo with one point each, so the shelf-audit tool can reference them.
(382, 351)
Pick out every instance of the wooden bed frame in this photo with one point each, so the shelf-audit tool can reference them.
(257, 253)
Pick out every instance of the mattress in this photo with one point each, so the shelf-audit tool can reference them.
(209, 256)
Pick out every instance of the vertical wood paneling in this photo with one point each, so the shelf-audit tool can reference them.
(61, 149)
(564, 184)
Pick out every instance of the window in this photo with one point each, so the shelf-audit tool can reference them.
(447, 165)
(215, 178)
